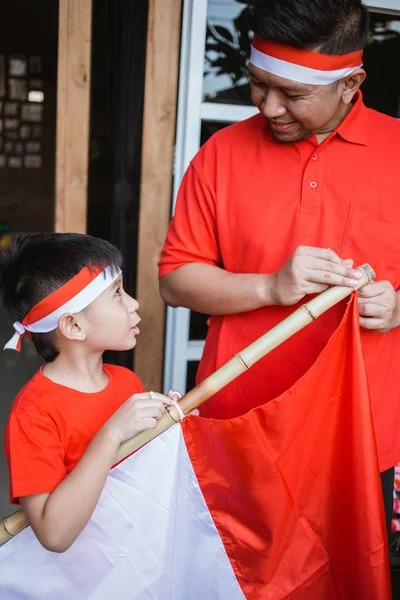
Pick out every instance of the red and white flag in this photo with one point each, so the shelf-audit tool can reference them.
(264, 506)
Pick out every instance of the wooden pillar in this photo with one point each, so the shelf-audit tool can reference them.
(161, 88)
(73, 113)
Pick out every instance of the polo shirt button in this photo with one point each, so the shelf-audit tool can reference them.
(313, 184)
(315, 157)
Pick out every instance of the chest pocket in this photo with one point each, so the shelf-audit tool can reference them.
(372, 236)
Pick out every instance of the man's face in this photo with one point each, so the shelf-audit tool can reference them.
(296, 111)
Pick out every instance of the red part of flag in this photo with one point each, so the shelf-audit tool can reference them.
(294, 487)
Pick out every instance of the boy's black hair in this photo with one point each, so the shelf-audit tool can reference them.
(328, 26)
(37, 265)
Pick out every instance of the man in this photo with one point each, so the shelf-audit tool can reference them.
(278, 207)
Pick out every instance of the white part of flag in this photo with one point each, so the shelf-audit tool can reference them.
(151, 537)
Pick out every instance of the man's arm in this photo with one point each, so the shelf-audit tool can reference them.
(214, 291)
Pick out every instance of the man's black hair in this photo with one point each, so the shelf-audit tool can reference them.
(327, 26)
(37, 265)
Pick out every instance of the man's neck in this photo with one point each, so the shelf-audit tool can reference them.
(330, 127)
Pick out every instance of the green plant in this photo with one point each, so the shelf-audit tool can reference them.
(227, 52)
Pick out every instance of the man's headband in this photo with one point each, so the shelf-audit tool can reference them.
(72, 297)
(304, 66)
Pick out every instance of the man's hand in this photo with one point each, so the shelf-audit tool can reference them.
(310, 271)
(378, 306)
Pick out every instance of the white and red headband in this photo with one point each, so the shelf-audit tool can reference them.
(304, 66)
(72, 297)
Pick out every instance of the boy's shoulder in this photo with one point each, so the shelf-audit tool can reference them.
(34, 397)
(124, 376)
(41, 398)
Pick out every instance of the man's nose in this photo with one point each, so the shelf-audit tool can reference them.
(272, 106)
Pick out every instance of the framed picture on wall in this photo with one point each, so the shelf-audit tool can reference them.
(11, 109)
(25, 132)
(17, 89)
(15, 162)
(32, 147)
(32, 161)
(31, 112)
(35, 65)
(35, 84)
(2, 76)
(17, 66)
(36, 131)
(11, 123)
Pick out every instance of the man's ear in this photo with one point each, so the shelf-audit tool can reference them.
(70, 327)
(351, 84)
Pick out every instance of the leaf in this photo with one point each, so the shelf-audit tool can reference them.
(227, 56)
(224, 32)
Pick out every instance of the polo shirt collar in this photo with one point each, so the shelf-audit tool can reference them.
(353, 128)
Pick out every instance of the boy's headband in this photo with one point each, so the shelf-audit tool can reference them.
(304, 66)
(72, 297)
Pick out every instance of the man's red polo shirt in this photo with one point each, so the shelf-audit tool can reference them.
(247, 202)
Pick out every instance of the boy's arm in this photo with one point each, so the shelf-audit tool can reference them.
(57, 518)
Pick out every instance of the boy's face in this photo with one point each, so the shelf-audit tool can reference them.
(110, 321)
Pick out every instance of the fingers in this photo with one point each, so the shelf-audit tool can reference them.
(148, 423)
(324, 266)
(324, 273)
(372, 324)
(373, 309)
(150, 412)
(377, 305)
(323, 253)
(153, 397)
(174, 395)
(375, 289)
(316, 288)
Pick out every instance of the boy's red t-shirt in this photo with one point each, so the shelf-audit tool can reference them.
(50, 427)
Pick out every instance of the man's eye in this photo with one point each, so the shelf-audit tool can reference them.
(257, 83)
(118, 292)
(295, 97)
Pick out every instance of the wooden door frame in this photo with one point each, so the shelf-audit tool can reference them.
(73, 115)
(159, 124)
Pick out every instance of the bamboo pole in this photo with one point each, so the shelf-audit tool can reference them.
(300, 318)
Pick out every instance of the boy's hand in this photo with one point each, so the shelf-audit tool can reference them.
(175, 395)
(139, 412)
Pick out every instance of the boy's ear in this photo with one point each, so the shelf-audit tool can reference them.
(70, 327)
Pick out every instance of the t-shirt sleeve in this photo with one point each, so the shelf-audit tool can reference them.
(192, 234)
(35, 456)
(135, 382)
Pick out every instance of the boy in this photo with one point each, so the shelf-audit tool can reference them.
(66, 292)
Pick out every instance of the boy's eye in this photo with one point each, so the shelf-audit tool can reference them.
(117, 292)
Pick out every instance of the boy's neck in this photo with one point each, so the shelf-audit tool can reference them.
(82, 373)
